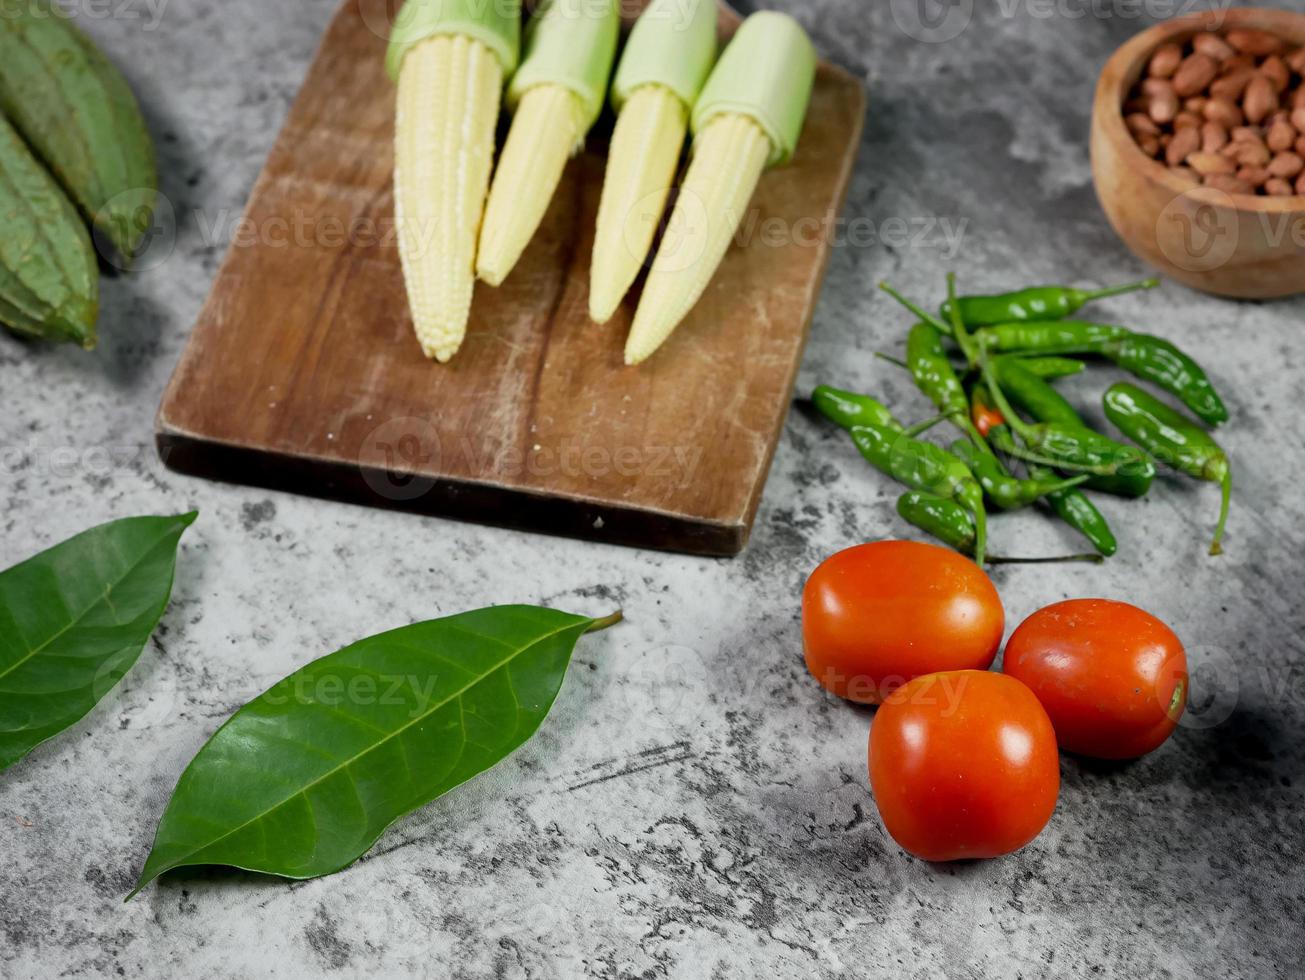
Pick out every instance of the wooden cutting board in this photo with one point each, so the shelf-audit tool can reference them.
(303, 374)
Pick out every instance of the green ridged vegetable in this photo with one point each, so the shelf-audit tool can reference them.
(78, 114)
(48, 284)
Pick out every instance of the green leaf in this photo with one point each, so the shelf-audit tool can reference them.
(304, 779)
(73, 621)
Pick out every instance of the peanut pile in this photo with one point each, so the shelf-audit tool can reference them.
(1226, 111)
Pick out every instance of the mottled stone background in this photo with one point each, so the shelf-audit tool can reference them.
(695, 806)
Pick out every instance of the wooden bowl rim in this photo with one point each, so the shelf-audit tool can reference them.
(1110, 95)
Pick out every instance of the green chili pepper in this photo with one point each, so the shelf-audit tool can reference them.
(1045, 404)
(1174, 439)
(934, 374)
(1074, 508)
(1052, 337)
(1160, 362)
(1036, 303)
(1006, 491)
(950, 523)
(1059, 445)
(846, 409)
(1071, 505)
(1031, 393)
(1051, 368)
(923, 466)
(1149, 358)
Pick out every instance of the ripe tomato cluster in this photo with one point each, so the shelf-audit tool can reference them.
(963, 761)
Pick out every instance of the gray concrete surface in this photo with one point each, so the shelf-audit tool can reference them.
(695, 807)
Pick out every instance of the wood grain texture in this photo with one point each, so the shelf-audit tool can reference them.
(303, 373)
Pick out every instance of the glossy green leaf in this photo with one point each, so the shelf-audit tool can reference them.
(73, 621)
(305, 778)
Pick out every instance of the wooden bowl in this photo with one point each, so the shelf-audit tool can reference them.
(1228, 244)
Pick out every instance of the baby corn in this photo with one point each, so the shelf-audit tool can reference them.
(644, 155)
(729, 158)
(748, 116)
(666, 61)
(545, 132)
(556, 96)
(449, 90)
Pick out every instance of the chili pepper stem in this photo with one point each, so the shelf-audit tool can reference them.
(1216, 546)
(598, 625)
(980, 535)
(1092, 295)
(990, 376)
(921, 427)
(1068, 484)
(919, 311)
(1091, 559)
(962, 336)
(892, 360)
(1029, 456)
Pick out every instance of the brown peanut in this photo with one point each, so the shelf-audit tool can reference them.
(1138, 122)
(1281, 136)
(1286, 165)
(1224, 113)
(1184, 144)
(1231, 87)
(1253, 154)
(1212, 45)
(1261, 100)
(1164, 100)
(1225, 109)
(1213, 137)
(1238, 62)
(1253, 42)
(1195, 73)
(1166, 60)
(1276, 71)
(1211, 163)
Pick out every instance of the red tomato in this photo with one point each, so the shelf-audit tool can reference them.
(963, 764)
(877, 615)
(1112, 677)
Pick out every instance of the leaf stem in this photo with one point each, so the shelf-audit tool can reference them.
(601, 624)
